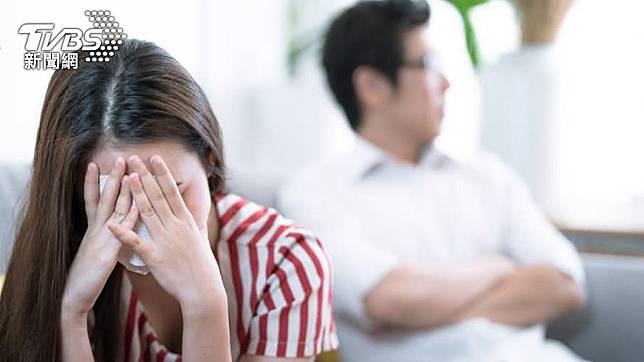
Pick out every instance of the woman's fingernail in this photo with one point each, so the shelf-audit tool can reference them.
(133, 176)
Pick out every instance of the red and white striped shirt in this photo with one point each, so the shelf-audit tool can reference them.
(278, 282)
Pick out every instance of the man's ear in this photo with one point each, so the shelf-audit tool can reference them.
(372, 88)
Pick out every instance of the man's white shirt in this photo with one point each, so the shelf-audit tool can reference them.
(373, 212)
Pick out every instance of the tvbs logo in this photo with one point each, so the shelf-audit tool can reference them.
(40, 37)
(47, 48)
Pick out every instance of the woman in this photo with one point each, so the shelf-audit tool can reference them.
(228, 279)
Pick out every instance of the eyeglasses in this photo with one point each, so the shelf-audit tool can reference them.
(427, 62)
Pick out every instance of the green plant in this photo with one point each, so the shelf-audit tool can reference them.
(298, 41)
(464, 8)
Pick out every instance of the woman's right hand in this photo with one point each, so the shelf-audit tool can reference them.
(97, 254)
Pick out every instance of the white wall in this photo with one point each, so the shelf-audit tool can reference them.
(603, 80)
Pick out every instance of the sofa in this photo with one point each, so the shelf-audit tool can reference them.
(610, 328)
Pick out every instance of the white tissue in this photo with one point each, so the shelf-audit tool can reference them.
(127, 257)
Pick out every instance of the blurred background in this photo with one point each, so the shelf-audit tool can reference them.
(554, 89)
(578, 143)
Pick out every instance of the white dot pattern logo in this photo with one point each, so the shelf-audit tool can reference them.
(111, 35)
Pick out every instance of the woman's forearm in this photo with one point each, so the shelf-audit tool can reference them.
(206, 335)
(74, 338)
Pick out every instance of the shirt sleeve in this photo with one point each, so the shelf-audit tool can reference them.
(294, 317)
(529, 237)
(359, 264)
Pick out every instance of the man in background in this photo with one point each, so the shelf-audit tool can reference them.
(435, 258)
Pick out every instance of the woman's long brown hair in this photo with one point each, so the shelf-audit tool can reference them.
(141, 95)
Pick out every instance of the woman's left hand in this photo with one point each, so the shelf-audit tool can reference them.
(179, 256)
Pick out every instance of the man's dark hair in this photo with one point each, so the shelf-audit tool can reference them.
(369, 33)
